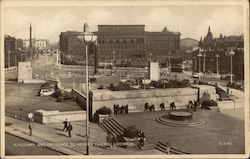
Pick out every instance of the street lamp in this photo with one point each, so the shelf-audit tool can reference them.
(113, 60)
(204, 63)
(199, 55)
(169, 59)
(195, 63)
(87, 37)
(217, 65)
(150, 57)
(231, 53)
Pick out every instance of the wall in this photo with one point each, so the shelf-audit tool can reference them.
(80, 98)
(45, 117)
(24, 71)
(10, 73)
(154, 71)
(137, 98)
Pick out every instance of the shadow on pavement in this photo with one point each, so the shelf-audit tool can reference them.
(61, 134)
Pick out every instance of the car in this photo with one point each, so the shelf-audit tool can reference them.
(46, 92)
(196, 75)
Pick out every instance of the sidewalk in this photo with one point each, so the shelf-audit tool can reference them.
(52, 136)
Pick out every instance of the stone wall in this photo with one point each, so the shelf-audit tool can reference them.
(45, 117)
(137, 98)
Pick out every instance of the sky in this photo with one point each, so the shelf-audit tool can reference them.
(190, 21)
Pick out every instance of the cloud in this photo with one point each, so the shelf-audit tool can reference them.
(192, 21)
(228, 21)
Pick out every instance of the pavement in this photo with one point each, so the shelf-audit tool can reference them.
(221, 133)
(52, 136)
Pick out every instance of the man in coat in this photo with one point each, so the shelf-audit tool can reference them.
(69, 129)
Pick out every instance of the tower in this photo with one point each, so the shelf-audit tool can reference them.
(30, 36)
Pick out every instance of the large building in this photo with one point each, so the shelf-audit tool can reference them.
(122, 41)
(221, 46)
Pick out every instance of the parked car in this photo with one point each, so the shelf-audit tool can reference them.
(196, 75)
(46, 92)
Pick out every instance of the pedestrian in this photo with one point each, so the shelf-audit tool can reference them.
(142, 139)
(114, 140)
(30, 128)
(65, 123)
(109, 140)
(69, 129)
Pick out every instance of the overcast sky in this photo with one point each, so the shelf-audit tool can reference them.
(191, 21)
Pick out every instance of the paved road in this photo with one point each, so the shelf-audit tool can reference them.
(17, 146)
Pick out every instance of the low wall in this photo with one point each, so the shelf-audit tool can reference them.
(45, 117)
(233, 104)
(80, 98)
(137, 98)
(10, 73)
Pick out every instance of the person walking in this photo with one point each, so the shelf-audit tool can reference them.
(142, 139)
(109, 140)
(69, 129)
(65, 123)
(30, 128)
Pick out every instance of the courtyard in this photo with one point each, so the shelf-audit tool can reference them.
(221, 133)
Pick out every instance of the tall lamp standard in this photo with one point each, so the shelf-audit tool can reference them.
(199, 55)
(217, 65)
(231, 53)
(195, 63)
(204, 63)
(86, 38)
(169, 59)
(150, 57)
(113, 60)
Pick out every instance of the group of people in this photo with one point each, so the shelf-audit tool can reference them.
(120, 110)
(193, 104)
(162, 106)
(67, 126)
(149, 108)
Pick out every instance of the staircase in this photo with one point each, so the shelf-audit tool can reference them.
(112, 126)
(161, 146)
(115, 128)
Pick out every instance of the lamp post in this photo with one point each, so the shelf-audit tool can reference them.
(150, 57)
(113, 61)
(87, 37)
(169, 59)
(231, 53)
(199, 55)
(204, 63)
(217, 65)
(195, 63)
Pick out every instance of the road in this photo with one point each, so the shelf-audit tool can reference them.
(17, 146)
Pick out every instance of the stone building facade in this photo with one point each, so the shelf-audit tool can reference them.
(122, 42)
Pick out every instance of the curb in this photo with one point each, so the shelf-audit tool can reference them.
(61, 149)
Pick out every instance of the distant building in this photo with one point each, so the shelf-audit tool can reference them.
(36, 43)
(222, 45)
(41, 43)
(10, 48)
(122, 41)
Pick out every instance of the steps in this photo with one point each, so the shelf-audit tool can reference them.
(111, 125)
(161, 146)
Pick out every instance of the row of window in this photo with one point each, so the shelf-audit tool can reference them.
(110, 41)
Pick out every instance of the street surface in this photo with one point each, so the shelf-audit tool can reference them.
(18, 146)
